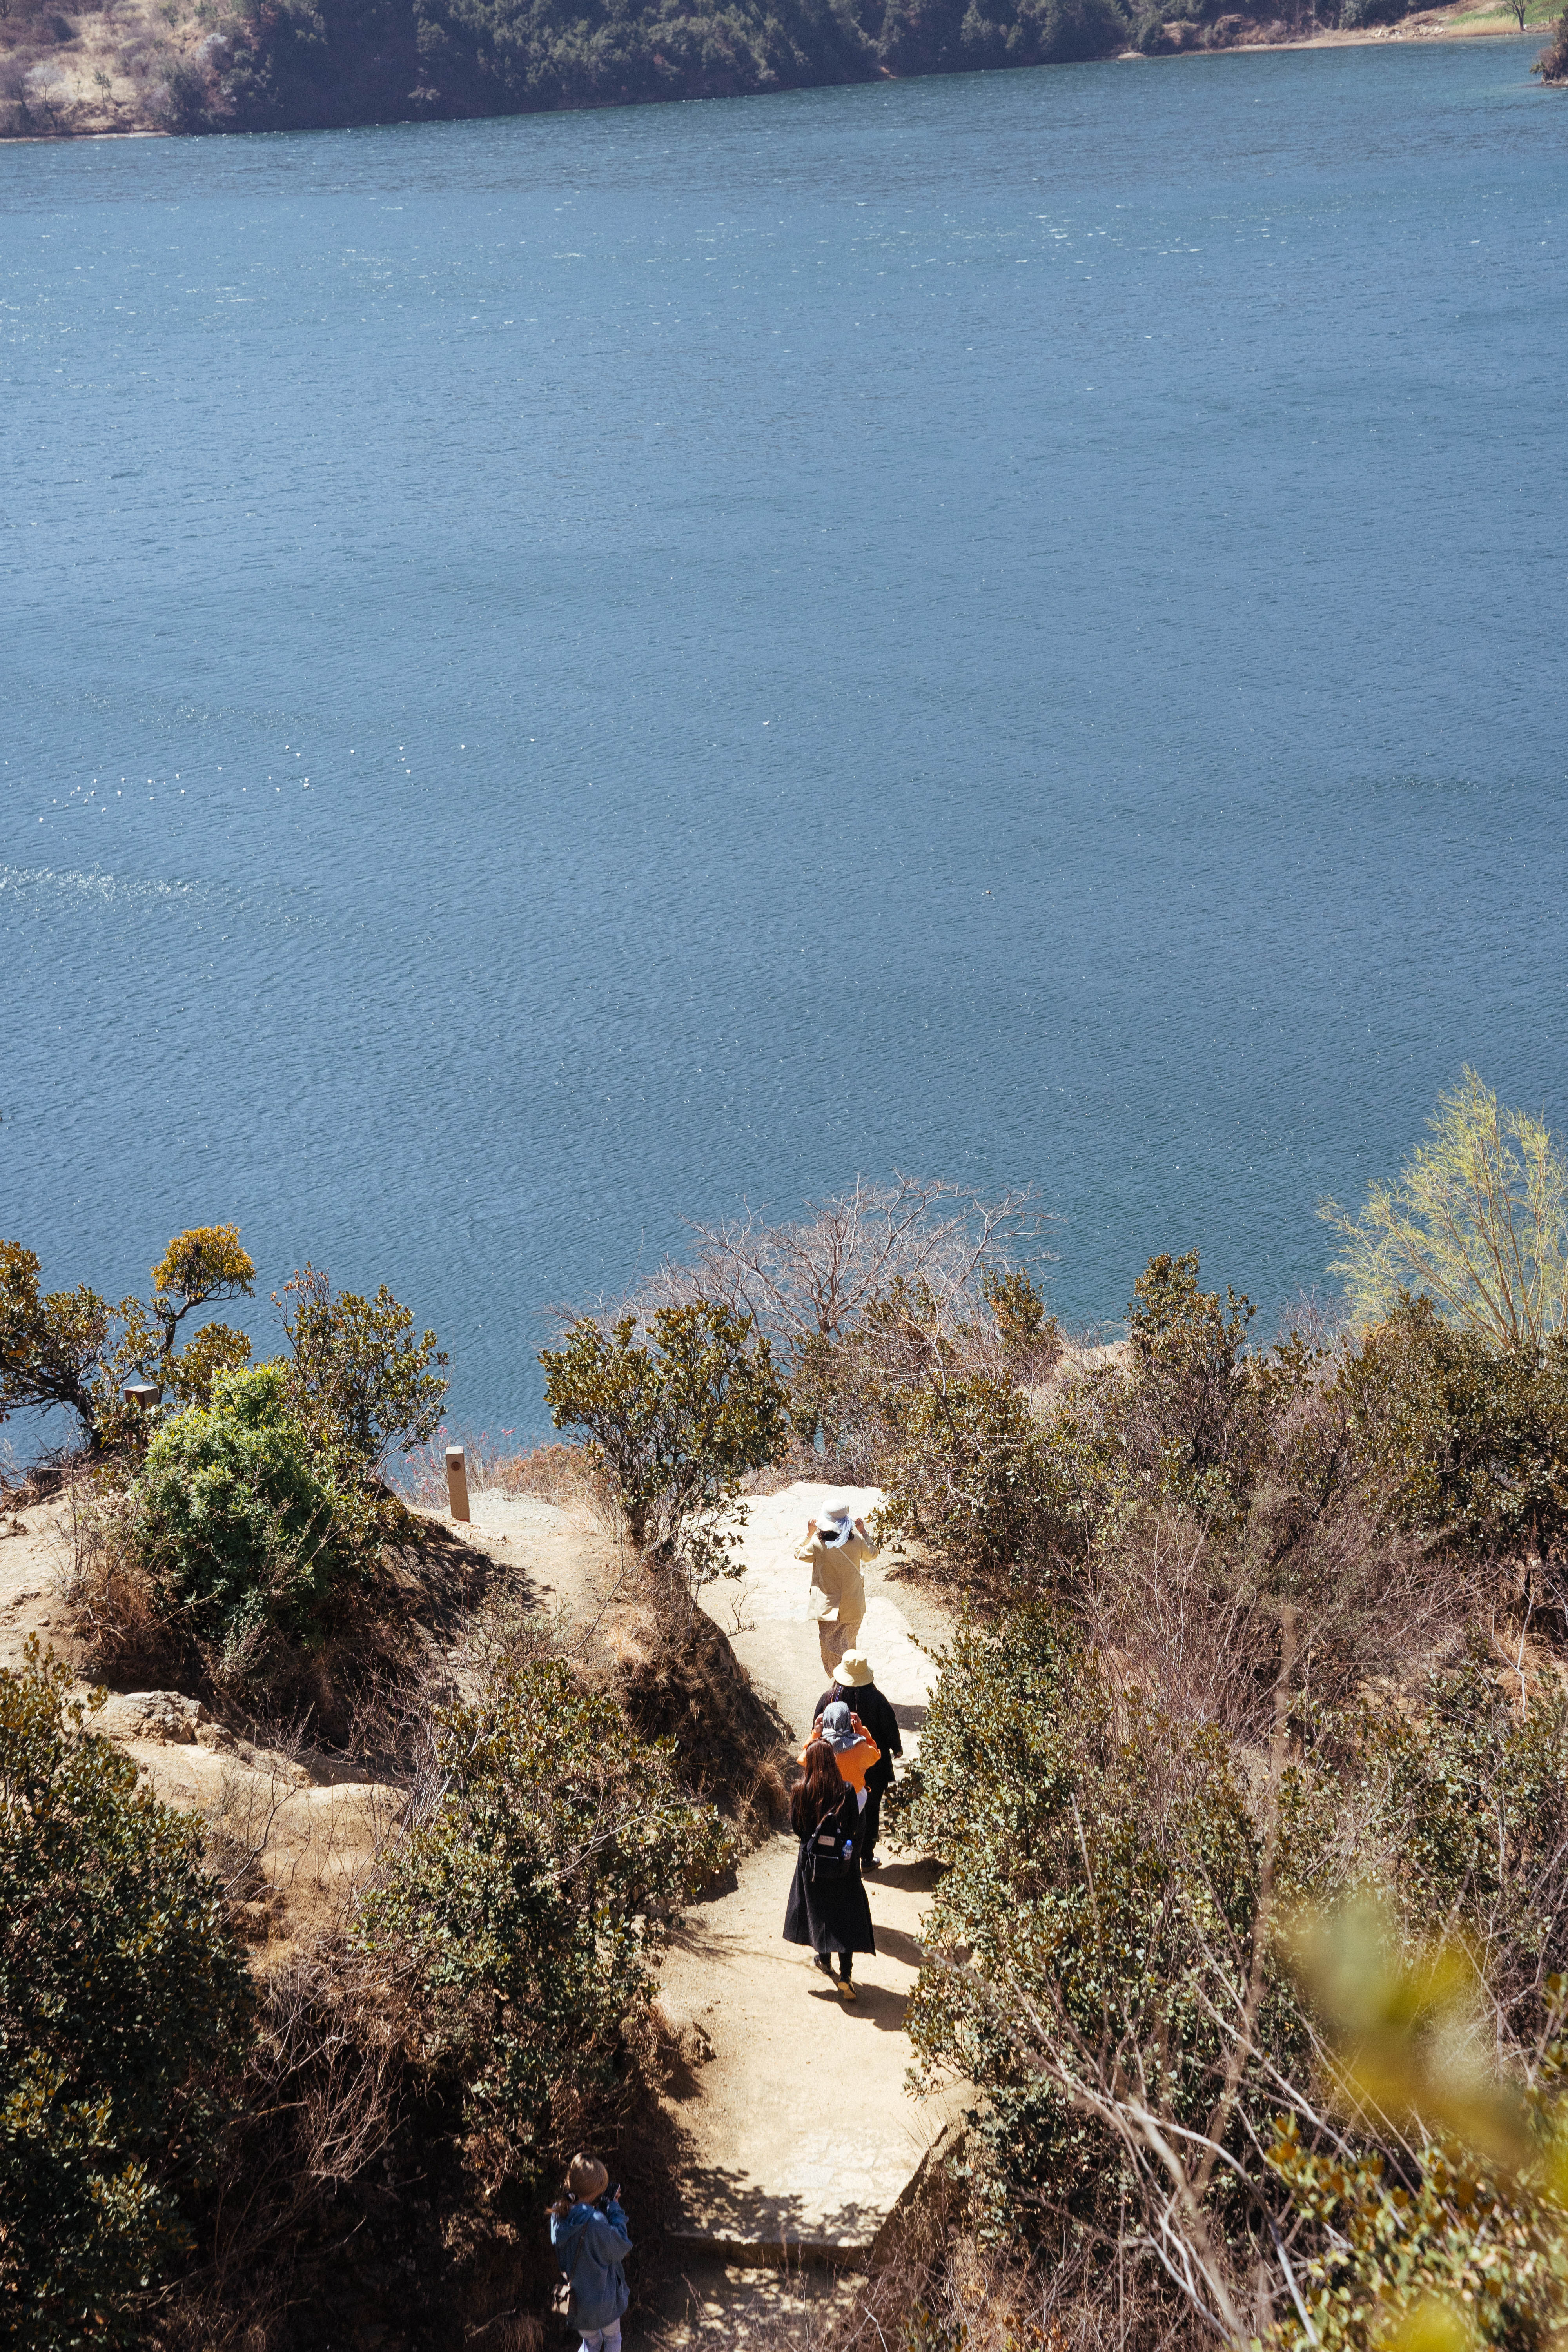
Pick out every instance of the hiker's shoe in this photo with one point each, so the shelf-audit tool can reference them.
(870, 1862)
(846, 1988)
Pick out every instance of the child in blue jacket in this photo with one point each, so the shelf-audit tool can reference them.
(589, 2233)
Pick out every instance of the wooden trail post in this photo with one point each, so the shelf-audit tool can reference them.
(457, 1482)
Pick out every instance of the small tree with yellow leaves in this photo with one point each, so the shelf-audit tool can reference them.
(1477, 1221)
(71, 1348)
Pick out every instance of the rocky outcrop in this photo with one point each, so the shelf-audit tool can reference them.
(167, 1718)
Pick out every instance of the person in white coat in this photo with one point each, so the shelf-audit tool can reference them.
(835, 1546)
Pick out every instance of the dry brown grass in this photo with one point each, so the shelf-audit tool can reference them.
(125, 1634)
(562, 1475)
(939, 2282)
(1197, 1624)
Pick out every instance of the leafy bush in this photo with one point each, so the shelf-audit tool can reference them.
(1109, 1954)
(1105, 1880)
(530, 1902)
(123, 2002)
(1461, 1808)
(1003, 1481)
(357, 1379)
(950, 1431)
(243, 1535)
(677, 1417)
(1462, 1442)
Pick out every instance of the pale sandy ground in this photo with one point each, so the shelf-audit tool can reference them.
(803, 2127)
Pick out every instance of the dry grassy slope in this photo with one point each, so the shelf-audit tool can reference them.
(314, 1822)
(67, 72)
(318, 1821)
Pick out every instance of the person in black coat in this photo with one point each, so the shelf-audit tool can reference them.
(854, 1685)
(831, 1915)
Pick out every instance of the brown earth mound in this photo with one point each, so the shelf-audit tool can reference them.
(678, 1678)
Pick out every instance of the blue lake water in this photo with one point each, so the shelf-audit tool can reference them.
(556, 673)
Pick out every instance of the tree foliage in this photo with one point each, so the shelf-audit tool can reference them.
(123, 2002)
(1461, 1442)
(1478, 1220)
(71, 1348)
(677, 1415)
(530, 1902)
(357, 1379)
(52, 1344)
(197, 1268)
(288, 64)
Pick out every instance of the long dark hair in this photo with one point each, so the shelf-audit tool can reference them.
(821, 1792)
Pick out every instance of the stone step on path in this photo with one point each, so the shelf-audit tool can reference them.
(802, 2129)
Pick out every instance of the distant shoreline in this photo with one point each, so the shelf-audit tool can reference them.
(1431, 25)
(67, 91)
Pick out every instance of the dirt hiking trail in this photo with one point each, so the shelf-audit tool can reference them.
(802, 2132)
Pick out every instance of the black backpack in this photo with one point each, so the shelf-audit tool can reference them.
(828, 1850)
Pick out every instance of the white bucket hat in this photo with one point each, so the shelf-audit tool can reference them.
(853, 1671)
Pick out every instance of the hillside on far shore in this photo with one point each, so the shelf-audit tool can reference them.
(191, 66)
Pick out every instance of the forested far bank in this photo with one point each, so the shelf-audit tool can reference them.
(191, 66)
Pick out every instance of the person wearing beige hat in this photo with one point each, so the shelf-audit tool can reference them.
(855, 1684)
(835, 1547)
(588, 2230)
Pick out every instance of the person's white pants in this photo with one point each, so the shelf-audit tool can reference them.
(604, 2339)
(833, 1638)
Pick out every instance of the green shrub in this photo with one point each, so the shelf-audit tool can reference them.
(123, 2002)
(1190, 1422)
(530, 1902)
(1104, 1878)
(358, 1380)
(1462, 1442)
(950, 1431)
(676, 1416)
(241, 1533)
(1462, 1806)
(1107, 1955)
